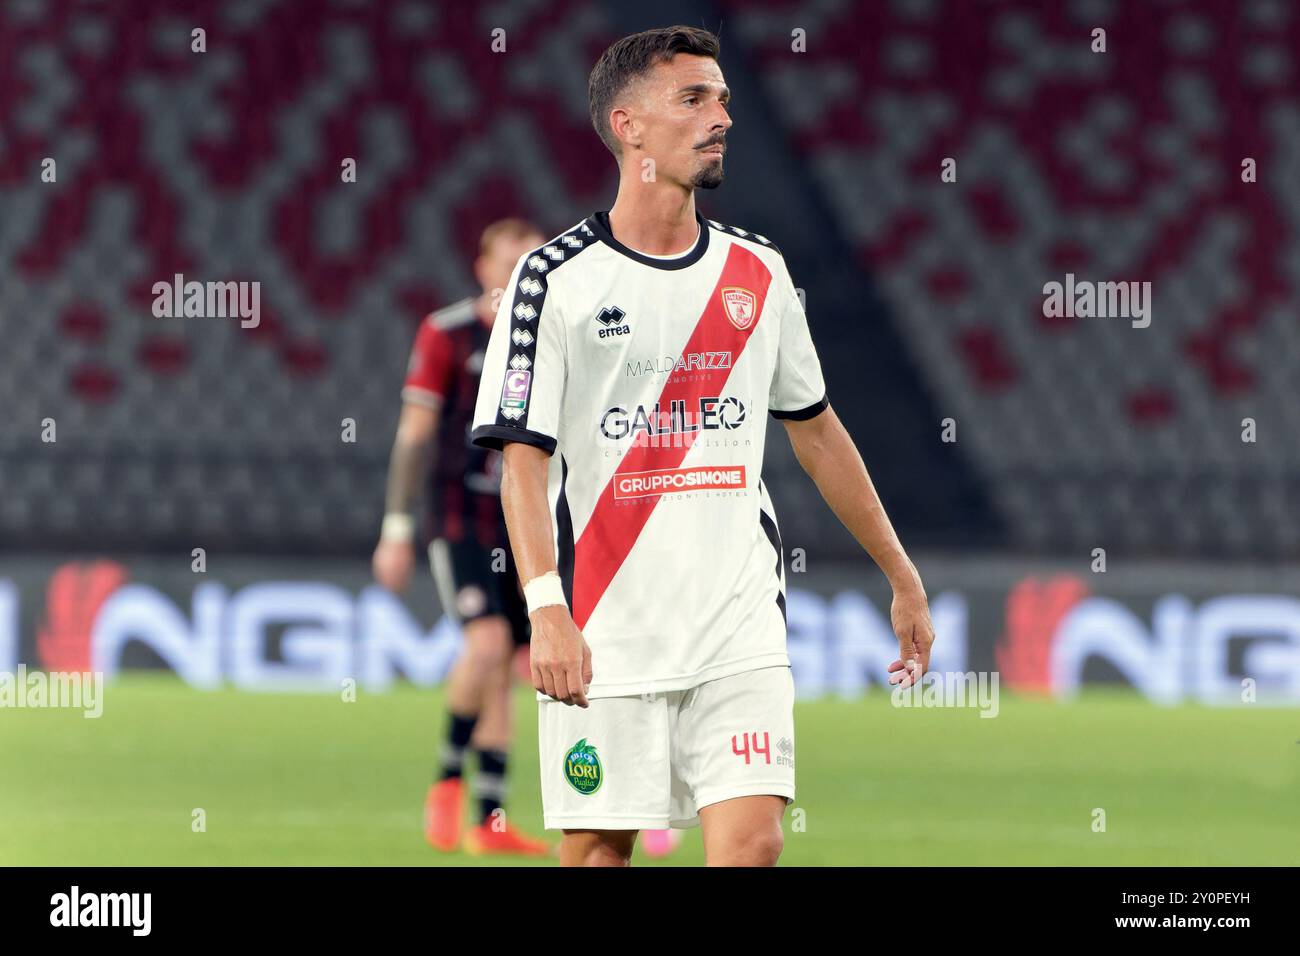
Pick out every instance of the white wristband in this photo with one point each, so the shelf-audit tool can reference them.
(398, 528)
(543, 591)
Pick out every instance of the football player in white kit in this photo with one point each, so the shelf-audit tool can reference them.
(628, 379)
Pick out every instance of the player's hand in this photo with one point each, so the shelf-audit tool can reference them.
(910, 616)
(393, 563)
(559, 657)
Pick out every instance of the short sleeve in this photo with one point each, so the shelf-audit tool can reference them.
(524, 370)
(798, 391)
(428, 373)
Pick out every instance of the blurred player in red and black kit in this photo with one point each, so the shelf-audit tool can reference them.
(469, 552)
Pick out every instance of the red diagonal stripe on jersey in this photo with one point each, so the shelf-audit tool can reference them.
(612, 530)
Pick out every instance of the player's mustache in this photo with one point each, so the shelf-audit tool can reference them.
(713, 141)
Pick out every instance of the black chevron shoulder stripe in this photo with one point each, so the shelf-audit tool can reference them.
(528, 299)
(743, 234)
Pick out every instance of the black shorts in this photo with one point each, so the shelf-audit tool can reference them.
(470, 588)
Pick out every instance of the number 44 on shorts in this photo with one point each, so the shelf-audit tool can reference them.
(751, 748)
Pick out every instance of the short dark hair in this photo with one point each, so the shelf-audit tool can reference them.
(633, 56)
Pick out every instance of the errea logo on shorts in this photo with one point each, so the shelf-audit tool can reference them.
(582, 768)
(640, 484)
(785, 753)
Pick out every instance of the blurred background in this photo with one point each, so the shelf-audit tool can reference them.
(1105, 516)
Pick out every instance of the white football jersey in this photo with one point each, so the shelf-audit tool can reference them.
(649, 380)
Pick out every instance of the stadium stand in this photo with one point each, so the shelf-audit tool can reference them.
(1116, 166)
(225, 164)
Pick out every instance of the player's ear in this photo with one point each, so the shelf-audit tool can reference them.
(625, 127)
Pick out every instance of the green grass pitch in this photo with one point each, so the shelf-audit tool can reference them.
(298, 779)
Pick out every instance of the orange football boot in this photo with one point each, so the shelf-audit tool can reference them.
(442, 814)
(507, 840)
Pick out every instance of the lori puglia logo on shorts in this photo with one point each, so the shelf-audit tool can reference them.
(582, 768)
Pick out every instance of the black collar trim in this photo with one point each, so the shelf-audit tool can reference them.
(599, 224)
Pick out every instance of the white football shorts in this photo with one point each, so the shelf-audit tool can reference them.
(653, 760)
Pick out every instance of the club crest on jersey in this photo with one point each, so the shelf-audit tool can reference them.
(582, 768)
(741, 306)
(611, 322)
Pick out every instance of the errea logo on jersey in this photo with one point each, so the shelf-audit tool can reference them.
(611, 322)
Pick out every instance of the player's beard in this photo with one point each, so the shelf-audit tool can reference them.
(710, 177)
